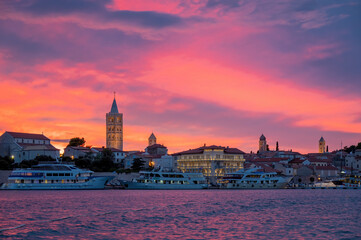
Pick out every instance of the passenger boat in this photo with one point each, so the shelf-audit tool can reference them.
(352, 181)
(254, 179)
(167, 180)
(54, 176)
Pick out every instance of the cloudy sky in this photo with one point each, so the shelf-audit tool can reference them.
(195, 71)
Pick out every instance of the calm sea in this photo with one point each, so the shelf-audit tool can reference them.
(203, 214)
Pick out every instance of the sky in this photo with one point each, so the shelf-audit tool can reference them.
(193, 72)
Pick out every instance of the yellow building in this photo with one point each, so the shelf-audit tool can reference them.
(114, 128)
(322, 145)
(213, 161)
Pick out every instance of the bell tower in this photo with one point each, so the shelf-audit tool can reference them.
(321, 145)
(114, 127)
(152, 140)
(262, 144)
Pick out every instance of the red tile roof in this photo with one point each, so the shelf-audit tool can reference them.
(296, 160)
(100, 149)
(156, 146)
(268, 160)
(28, 147)
(329, 167)
(28, 135)
(212, 147)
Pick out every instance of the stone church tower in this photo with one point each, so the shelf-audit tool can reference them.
(114, 125)
(152, 140)
(321, 145)
(262, 144)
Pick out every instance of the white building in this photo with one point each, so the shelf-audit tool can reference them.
(353, 160)
(26, 146)
(165, 162)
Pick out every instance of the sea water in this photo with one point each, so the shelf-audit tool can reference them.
(177, 214)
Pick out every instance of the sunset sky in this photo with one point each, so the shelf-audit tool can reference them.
(217, 72)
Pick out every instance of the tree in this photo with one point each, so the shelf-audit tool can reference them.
(105, 163)
(327, 148)
(74, 142)
(138, 163)
(277, 149)
(267, 147)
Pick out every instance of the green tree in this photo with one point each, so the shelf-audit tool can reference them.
(74, 142)
(138, 163)
(105, 163)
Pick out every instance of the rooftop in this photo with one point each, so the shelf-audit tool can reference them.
(28, 135)
(201, 150)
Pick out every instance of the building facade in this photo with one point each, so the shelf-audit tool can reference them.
(262, 144)
(322, 145)
(26, 146)
(152, 140)
(114, 128)
(213, 161)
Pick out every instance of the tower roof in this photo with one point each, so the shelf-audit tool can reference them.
(262, 137)
(114, 107)
(322, 140)
(152, 136)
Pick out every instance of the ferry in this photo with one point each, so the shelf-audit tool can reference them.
(254, 179)
(54, 176)
(167, 180)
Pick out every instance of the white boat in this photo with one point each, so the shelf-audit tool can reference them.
(254, 179)
(54, 176)
(167, 180)
(351, 181)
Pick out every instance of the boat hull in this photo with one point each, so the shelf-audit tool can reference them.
(279, 185)
(159, 186)
(93, 183)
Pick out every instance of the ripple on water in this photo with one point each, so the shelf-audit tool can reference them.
(206, 214)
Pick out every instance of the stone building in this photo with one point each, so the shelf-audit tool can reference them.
(262, 144)
(322, 145)
(152, 140)
(114, 128)
(26, 146)
(213, 161)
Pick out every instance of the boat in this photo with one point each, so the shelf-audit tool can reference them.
(351, 181)
(159, 179)
(254, 178)
(54, 176)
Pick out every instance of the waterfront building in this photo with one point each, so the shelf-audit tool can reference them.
(26, 146)
(353, 161)
(213, 161)
(114, 128)
(79, 152)
(165, 162)
(322, 145)
(152, 140)
(262, 144)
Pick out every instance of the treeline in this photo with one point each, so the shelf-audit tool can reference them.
(352, 148)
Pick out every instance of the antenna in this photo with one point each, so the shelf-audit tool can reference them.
(114, 95)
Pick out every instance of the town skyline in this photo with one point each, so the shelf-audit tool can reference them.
(214, 72)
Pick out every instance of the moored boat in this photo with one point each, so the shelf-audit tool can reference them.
(54, 176)
(254, 179)
(349, 181)
(167, 180)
